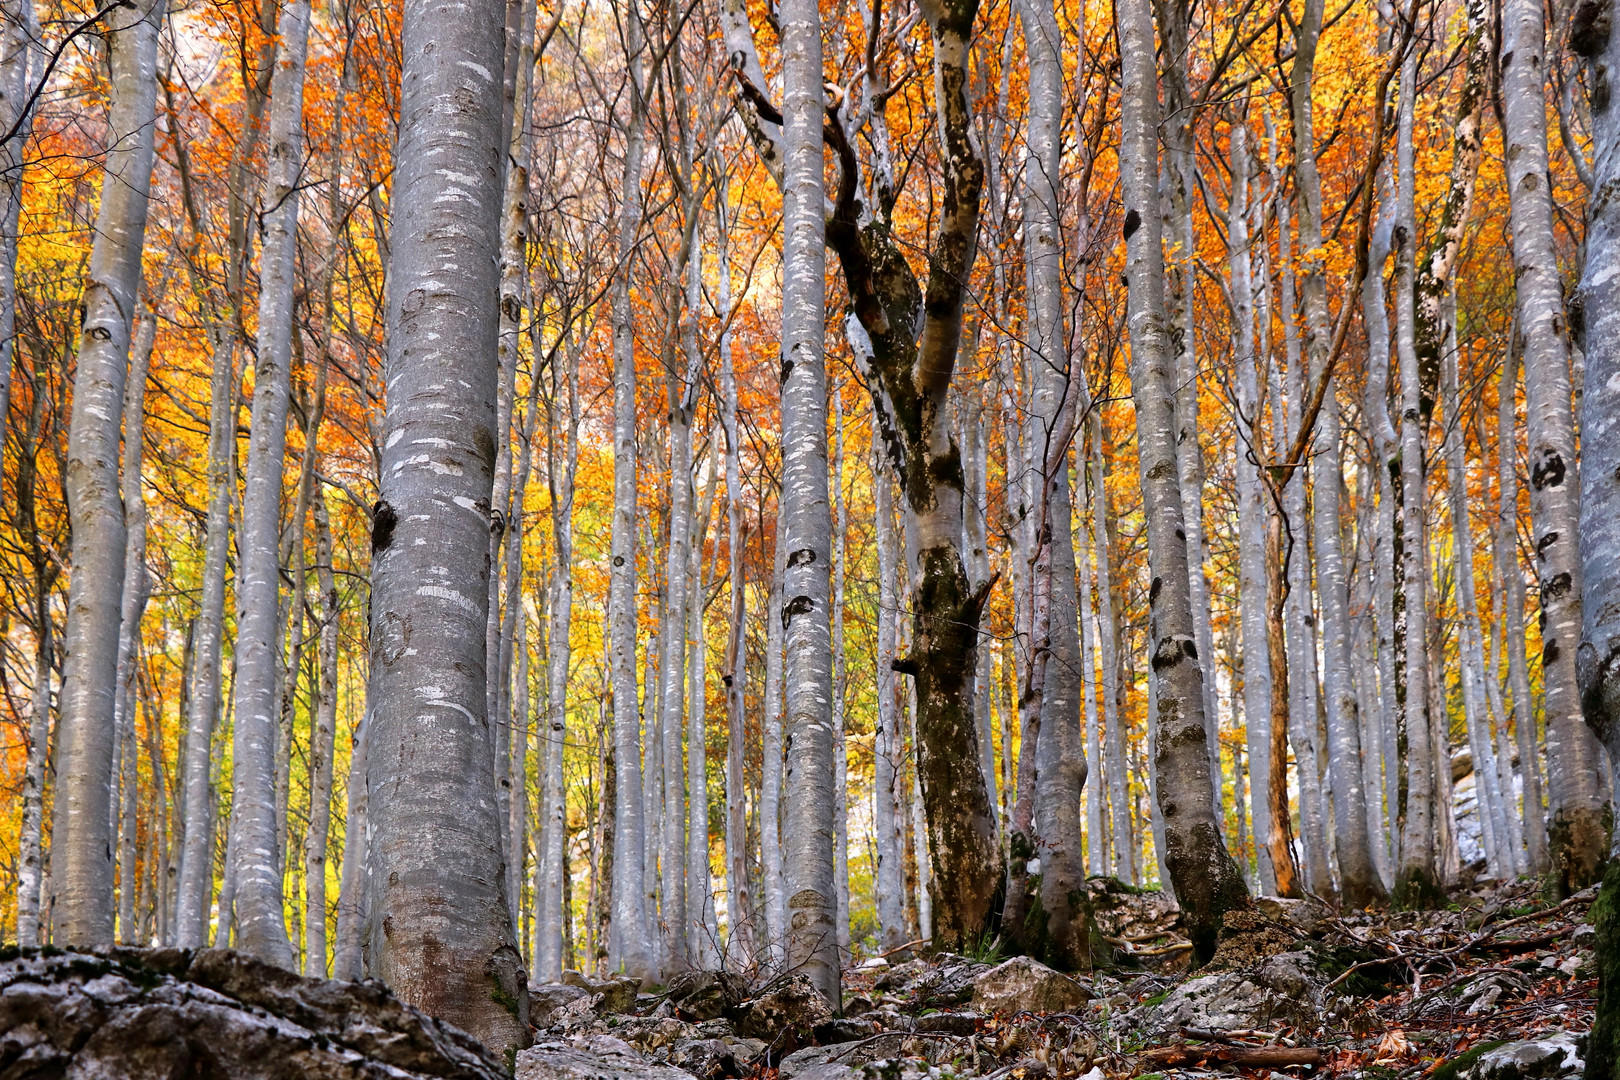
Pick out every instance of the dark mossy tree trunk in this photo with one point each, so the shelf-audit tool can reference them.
(910, 334)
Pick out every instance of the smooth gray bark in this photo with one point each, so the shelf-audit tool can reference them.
(1417, 881)
(321, 743)
(887, 744)
(1206, 880)
(770, 786)
(347, 958)
(1522, 708)
(440, 933)
(809, 822)
(1119, 813)
(17, 48)
(82, 865)
(260, 915)
(137, 589)
(1358, 876)
(629, 948)
(1576, 806)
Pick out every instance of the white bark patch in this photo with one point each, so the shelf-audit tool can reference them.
(441, 593)
(479, 68)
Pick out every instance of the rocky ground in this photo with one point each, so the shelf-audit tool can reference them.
(1498, 987)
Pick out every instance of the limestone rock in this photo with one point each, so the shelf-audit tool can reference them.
(546, 998)
(596, 1057)
(1546, 1058)
(1024, 984)
(1284, 988)
(704, 995)
(617, 995)
(791, 1008)
(159, 1013)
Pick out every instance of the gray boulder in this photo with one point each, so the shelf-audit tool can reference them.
(1546, 1058)
(1023, 984)
(160, 1013)
(789, 1011)
(1284, 988)
(597, 1057)
(546, 998)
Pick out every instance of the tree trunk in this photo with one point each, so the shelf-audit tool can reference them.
(561, 469)
(261, 922)
(887, 743)
(840, 526)
(137, 588)
(82, 856)
(809, 825)
(347, 959)
(1576, 831)
(1358, 876)
(770, 784)
(1507, 561)
(322, 740)
(1598, 656)
(1119, 814)
(1254, 574)
(1417, 883)
(440, 932)
(628, 946)
(740, 946)
(1206, 880)
(17, 46)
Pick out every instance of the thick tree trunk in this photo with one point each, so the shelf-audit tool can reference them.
(1598, 656)
(1577, 807)
(440, 932)
(82, 855)
(261, 921)
(1206, 880)
(628, 947)
(809, 825)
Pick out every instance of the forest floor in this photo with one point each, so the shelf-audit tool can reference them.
(1498, 986)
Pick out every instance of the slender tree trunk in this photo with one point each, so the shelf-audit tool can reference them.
(1507, 559)
(1206, 880)
(1119, 815)
(321, 747)
(702, 925)
(840, 525)
(18, 36)
(770, 786)
(1052, 689)
(740, 947)
(82, 856)
(1254, 572)
(1576, 831)
(1417, 882)
(1358, 876)
(887, 743)
(440, 932)
(137, 588)
(261, 923)
(560, 471)
(347, 960)
(628, 948)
